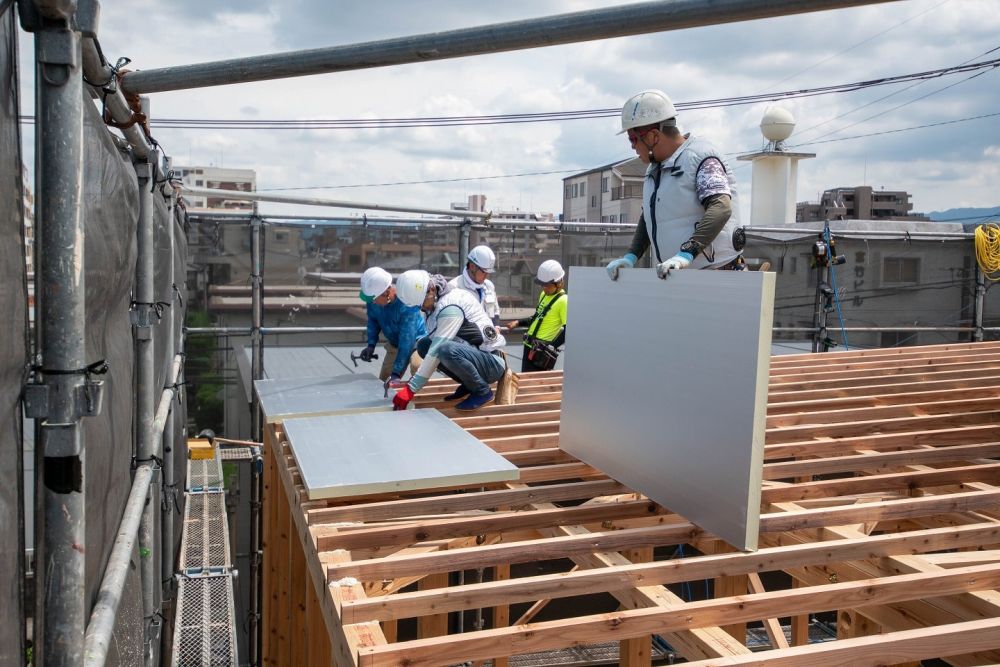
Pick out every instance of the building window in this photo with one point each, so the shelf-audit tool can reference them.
(566, 195)
(901, 270)
(604, 184)
(199, 184)
(623, 218)
(593, 200)
(576, 189)
(583, 189)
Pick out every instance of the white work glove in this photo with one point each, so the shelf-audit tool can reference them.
(626, 262)
(679, 261)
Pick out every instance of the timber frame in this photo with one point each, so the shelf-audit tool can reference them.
(880, 502)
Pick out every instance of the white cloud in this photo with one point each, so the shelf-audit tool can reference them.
(942, 166)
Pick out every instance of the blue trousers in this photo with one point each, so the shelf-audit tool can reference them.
(465, 364)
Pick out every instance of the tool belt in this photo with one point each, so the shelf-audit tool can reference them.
(541, 353)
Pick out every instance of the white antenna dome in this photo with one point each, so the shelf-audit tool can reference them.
(777, 124)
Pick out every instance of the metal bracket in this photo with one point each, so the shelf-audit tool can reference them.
(58, 46)
(36, 400)
(88, 399)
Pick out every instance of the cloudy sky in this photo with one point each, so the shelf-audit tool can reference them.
(943, 166)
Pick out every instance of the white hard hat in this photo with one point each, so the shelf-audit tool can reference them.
(374, 282)
(484, 258)
(647, 108)
(549, 271)
(411, 287)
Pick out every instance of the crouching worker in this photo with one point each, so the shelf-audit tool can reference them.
(462, 341)
(401, 325)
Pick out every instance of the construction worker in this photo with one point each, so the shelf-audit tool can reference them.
(689, 209)
(547, 327)
(401, 325)
(462, 341)
(480, 263)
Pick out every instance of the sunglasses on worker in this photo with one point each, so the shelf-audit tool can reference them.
(639, 133)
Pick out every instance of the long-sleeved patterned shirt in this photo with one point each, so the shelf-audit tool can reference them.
(401, 325)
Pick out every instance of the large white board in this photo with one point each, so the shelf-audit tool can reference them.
(292, 397)
(380, 452)
(666, 389)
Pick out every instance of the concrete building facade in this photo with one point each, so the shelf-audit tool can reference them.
(611, 193)
(859, 203)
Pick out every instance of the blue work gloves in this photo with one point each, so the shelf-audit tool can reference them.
(679, 261)
(367, 353)
(626, 262)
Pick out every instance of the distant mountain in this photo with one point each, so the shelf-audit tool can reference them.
(965, 214)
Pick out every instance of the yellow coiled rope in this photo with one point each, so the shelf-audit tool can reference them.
(988, 250)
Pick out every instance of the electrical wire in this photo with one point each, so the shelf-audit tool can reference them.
(548, 116)
(988, 250)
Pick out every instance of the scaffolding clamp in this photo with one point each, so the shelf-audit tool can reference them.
(88, 398)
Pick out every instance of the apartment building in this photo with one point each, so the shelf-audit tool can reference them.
(859, 203)
(611, 193)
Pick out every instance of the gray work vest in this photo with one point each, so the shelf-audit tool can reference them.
(678, 209)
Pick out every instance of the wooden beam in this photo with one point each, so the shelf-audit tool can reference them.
(637, 622)
(588, 582)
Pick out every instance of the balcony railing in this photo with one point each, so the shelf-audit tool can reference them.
(630, 191)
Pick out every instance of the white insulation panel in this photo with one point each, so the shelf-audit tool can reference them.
(341, 394)
(666, 389)
(349, 455)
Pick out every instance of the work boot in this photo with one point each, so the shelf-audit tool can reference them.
(461, 392)
(475, 401)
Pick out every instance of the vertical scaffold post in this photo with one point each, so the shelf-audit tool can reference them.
(62, 392)
(463, 242)
(257, 371)
(145, 373)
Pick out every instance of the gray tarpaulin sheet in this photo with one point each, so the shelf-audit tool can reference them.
(13, 306)
(666, 390)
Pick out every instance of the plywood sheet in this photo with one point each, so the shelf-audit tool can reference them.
(342, 394)
(666, 389)
(349, 455)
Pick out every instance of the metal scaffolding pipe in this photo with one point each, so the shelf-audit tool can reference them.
(168, 488)
(463, 244)
(145, 373)
(100, 72)
(257, 373)
(109, 597)
(267, 331)
(315, 201)
(60, 575)
(802, 232)
(165, 405)
(633, 19)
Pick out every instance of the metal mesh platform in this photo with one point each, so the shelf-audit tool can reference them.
(204, 633)
(235, 453)
(205, 544)
(204, 474)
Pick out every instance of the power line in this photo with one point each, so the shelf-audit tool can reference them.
(542, 117)
(854, 46)
(884, 97)
(902, 129)
(434, 180)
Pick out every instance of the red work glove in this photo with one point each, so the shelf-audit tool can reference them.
(402, 398)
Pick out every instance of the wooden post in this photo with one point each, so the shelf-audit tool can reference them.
(637, 652)
(437, 624)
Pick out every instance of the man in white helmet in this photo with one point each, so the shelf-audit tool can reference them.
(547, 327)
(480, 263)
(462, 341)
(401, 325)
(689, 208)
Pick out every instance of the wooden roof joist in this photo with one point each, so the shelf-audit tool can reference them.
(881, 502)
